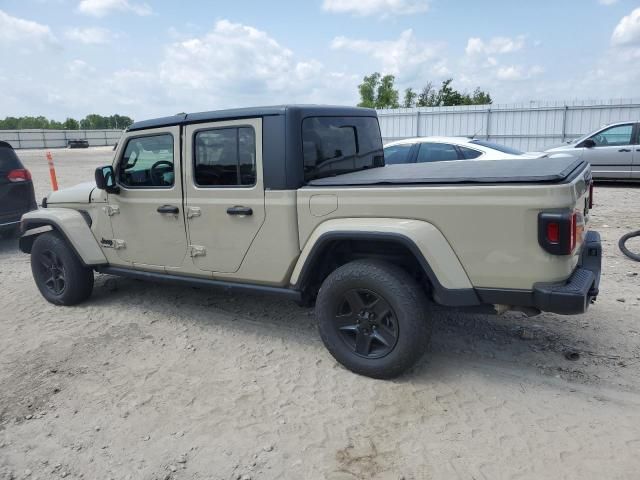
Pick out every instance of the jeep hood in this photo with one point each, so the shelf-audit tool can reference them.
(80, 193)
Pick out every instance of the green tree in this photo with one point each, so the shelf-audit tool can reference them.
(90, 122)
(481, 98)
(377, 91)
(387, 95)
(71, 124)
(368, 89)
(426, 98)
(409, 98)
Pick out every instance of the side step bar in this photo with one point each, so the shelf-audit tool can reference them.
(289, 293)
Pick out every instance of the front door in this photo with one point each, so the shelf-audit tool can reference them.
(147, 217)
(612, 155)
(224, 191)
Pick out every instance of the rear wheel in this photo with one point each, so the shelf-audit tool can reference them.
(58, 272)
(373, 318)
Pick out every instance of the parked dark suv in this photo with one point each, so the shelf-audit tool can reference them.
(16, 190)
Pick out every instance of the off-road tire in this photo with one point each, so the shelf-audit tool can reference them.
(58, 272)
(405, 298)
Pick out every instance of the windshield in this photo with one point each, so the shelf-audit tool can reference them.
(497, 146)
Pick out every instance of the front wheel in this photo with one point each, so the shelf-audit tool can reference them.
(373, 318)
(58, 272)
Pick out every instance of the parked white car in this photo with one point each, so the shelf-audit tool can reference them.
(440, 149)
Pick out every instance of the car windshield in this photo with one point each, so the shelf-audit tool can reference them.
(497, 146)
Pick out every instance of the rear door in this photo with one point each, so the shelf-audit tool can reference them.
(224, 191)
(612, 156)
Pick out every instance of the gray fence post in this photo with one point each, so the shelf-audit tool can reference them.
(488, 129)
(418, 123)
(564, 122)
(19, 140)
(44, 139)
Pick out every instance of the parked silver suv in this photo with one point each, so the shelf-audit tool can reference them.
(613, 151)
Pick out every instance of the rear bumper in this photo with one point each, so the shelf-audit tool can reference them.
(580, 290)
(570, 297)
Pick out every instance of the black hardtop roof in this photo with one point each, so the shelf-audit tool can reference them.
(237, 113)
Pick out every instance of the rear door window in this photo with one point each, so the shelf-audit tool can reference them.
(437, 152)
(225, 157)
(396, 154)
(337, 145)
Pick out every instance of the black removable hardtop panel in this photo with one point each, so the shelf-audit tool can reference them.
(282, 129)
(300, 111)
(539, 170)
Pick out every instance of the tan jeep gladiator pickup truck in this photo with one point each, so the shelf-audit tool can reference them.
(296, 201)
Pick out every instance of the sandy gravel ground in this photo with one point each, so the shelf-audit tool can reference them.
(148, 381)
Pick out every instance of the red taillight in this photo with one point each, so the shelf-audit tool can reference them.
(558, 232)
(19, 175)
(591, 195)
(553, 232)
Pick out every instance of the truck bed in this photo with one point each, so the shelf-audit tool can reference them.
(541, 170)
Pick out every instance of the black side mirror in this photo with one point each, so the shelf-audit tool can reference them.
(106, 179)
(588, 143)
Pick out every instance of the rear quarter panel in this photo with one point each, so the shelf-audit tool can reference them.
(493, 229)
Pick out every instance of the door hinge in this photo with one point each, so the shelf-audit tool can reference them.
(111, 210)
(114, 243)
(193, 212)
(197, 251)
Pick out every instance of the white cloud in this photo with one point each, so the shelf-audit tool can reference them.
(627, 32)
(494, 46)
(90, 35)
(376, 7)
(406, 56)
(234, 56)
(100, 8)
(79, 68)
(518, 72)
(24, 33)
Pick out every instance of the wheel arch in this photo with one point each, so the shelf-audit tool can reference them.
(72, 225)
(326, 247)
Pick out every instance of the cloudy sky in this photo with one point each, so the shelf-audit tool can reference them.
(62, 58)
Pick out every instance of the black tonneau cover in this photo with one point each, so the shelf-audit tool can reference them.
(538, 170)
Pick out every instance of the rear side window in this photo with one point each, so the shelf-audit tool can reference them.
(437, 152)
(8, 158)
(469, 153)
(396, 154)
(497, 146)
(225, 157)
(337, 145)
